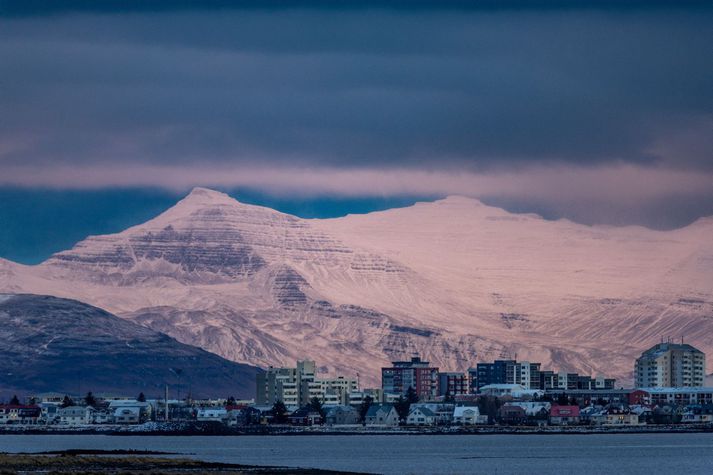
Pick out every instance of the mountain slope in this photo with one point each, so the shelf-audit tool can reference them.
(454, 280)
(53, 344)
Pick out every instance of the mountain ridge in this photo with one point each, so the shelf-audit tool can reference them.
(455, 280)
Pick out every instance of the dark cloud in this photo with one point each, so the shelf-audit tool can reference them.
(485, 94)
(358, 87)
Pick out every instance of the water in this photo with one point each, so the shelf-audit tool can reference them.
(609, 454)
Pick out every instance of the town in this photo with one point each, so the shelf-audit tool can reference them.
(669, 390)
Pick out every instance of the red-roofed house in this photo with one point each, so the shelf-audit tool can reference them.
(564, 415)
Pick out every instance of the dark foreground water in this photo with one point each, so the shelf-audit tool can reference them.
(400, 454)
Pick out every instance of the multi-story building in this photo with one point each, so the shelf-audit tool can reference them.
(416, 374)
(492, 373)
(670, 365)
(298, 386)
(341, 387)
(523, 373)
(452, 384)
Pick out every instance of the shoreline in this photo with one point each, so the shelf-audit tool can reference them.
(216, 430)
(77, 461)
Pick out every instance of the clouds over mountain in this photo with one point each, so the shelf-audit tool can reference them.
(458, 92)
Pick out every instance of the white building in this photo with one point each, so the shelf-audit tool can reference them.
(217, 414)
(421, 416)
(468, 416)
(669, 365)
(297, 386)
(76, 415)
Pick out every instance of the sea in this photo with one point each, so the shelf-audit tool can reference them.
(649, 454)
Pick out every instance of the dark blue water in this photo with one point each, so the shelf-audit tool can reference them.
(402, 454)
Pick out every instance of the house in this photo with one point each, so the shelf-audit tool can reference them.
(342, 415)
(615, 418)
(698, 414)
(19, 414)
(421, 416)
(76, 415)
(468, 416)
(102, 416)
(305, 417)
(127, 415)
(511, 415)
(216, 414)
(586, 413)
(50, 412)
(242, 416)
(382, 415)
(442, 410)
(564, 415)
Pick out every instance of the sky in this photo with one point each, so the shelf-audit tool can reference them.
(597, 111)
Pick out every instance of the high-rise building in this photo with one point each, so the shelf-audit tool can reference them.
(670, 365)
(297, 386)
(416, 374)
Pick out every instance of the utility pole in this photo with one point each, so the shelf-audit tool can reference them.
(165, 395)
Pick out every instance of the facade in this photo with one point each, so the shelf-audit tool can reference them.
(336, 391)
(452, 384)
(342, 415)
(127, 415)
(76, 415)
(616, 418)
(564, 415)
(295, 387)
(491, 373)
(218, 414)
(19, 414)
(678, 396)
(468, 416)
(382, 415)
(416, 374)
(421, 416)
(524, 373)
(670, 365)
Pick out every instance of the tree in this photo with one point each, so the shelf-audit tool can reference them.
(32, 401)
(402, 406)
(364, 407)
(90, 400)
(562, 400)
(66, 402)
(279, 412)
(411, 395)
(449, 398)
(489, 406)
(14, 401)
(231, 401)
(141, 397)
(316, 405)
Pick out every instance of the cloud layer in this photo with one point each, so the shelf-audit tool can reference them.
(546, 104)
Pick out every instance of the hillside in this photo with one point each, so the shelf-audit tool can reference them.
(53, 344)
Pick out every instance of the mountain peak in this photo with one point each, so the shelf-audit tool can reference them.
(207, 196)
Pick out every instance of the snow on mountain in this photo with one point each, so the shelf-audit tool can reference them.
(455, 280)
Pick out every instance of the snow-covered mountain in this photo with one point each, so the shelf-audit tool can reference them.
(454, 280)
